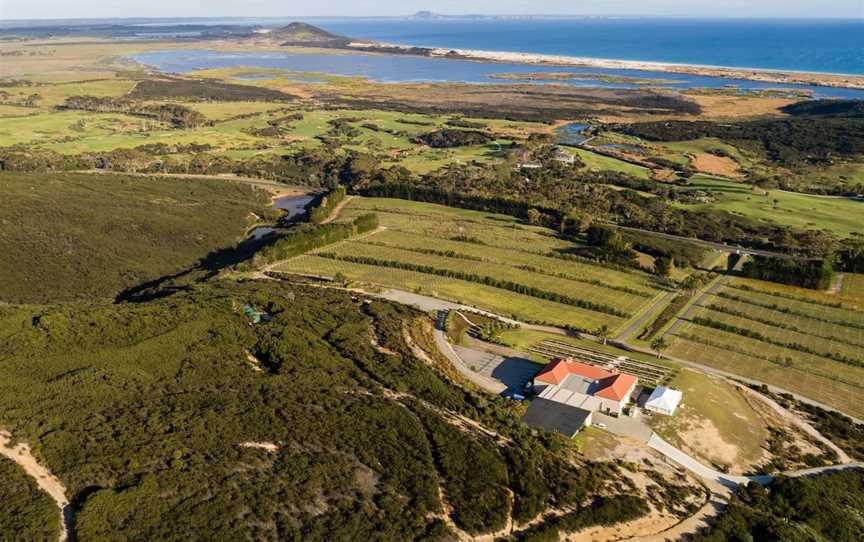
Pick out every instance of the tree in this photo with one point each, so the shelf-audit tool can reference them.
(663, 266)
(340, 278)
(534, 217)
(602, 333)
(658, 345)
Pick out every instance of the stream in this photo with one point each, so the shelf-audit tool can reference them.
(293, 206)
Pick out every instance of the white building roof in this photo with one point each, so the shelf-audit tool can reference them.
(663, 399)
(570, 397)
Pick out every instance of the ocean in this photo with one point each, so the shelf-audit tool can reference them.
(830, 46)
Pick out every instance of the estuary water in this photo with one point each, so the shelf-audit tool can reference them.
(405, 68)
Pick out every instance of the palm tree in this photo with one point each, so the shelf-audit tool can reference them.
(603, 333)
(658, 345)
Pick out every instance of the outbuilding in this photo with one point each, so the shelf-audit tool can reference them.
(557, 417)
(663, 400)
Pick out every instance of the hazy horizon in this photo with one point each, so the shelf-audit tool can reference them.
(169, 9)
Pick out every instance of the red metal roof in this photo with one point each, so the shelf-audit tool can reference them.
(611, 384)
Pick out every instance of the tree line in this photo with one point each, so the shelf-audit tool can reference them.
(806, 273)
(481, 279)
(752, 334)
(176, 115)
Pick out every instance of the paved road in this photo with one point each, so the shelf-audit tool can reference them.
(640, 322)
(694, 306)
(488, 384)
(697, 468)
(707, 244)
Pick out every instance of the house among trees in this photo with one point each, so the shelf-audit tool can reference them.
(569, 392)
(563, 156)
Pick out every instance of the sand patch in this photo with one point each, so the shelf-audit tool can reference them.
(46, 481)
(269, 447)
(703, 437)
(716, 165)
(653, 522)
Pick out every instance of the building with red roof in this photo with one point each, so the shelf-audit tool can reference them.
(585, 386)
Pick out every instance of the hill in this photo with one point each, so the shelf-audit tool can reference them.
(298, 34)
(177, 419)
(55, 248)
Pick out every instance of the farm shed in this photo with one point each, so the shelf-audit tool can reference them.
(557, 417)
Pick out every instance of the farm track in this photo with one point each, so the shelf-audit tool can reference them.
(46, 481)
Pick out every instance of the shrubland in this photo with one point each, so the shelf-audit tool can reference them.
(27, 512)
(825, 507)
(68, 236)
(150, 413)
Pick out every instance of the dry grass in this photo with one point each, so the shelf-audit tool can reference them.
(716, 165)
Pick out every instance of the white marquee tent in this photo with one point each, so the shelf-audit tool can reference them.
(663, 400)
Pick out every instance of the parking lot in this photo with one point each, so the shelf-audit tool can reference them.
(512, 371)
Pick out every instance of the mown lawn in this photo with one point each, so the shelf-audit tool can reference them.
(714, 421)
(839, 215)
(606, 163)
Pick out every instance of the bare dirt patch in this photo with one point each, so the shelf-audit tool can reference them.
(703, 437)
(46, 481)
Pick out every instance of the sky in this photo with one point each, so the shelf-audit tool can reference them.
(50, 9)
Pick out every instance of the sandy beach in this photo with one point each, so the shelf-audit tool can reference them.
(751, 74)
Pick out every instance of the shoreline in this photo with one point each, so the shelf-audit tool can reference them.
(764, 75)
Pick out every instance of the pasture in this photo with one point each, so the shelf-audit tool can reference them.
(808, 342)
(714, 422)
(803, 211)
(445, 252)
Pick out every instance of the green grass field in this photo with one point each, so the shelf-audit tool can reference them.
(74, 132)
(449, 239)
(852, 289)
(714, 421)
(839, 215)
(783, 316)
(68, 236)
(599, 162)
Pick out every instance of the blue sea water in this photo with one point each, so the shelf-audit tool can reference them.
(831, 46)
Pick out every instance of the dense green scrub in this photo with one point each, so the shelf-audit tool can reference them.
(142, 411)
(828, 507)
(66, 236)
(26, 513)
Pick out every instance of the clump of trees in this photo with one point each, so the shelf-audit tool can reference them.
(611, 245)
(206, 90)
(328, 203)
(176, 115)
(794, 141)
(449, 137)
(301, 239)
(827, 507)
(813, 274)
